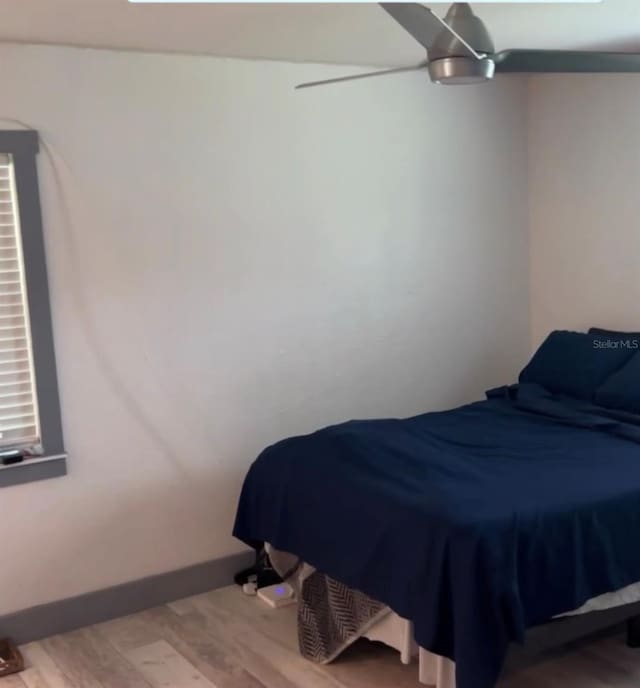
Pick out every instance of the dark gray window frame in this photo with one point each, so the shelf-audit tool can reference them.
(23, 146)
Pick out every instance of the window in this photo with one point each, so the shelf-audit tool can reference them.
(19, 421)
(31, 445)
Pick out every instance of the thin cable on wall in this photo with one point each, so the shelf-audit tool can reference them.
(110, 371)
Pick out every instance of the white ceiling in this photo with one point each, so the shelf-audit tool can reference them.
(337, 33)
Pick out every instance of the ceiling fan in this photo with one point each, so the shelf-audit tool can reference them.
(460, 50)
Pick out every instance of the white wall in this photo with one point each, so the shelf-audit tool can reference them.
(584, 142)
(245, 263)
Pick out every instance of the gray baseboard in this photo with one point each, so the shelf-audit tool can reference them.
(94, 607)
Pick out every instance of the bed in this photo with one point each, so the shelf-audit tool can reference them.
(473, 524)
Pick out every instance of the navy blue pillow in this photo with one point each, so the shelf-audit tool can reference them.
(574, 363)
(622, 389)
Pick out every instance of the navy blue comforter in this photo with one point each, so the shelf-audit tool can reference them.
(475, 523)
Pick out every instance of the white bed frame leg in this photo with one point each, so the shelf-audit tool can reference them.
(446, 673)
(397, 632)
(406, 650)
(427, 668)
(436, 671)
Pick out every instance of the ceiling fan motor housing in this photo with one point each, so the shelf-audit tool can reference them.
(454, 71)
(450, 61)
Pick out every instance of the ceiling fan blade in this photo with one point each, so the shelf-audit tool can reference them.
(423, 24)
(565, 61)
(353, 77)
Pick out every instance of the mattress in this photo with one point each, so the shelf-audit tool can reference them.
(609, 600)
(286, 563)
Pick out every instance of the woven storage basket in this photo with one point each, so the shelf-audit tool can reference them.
(10, 658)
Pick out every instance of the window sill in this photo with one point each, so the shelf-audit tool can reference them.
(31, 470)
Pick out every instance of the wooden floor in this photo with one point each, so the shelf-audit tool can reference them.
(223, 639)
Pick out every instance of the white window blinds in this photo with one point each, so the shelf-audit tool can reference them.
(19, 421)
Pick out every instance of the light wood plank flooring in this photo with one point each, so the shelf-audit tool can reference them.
(223, 639)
